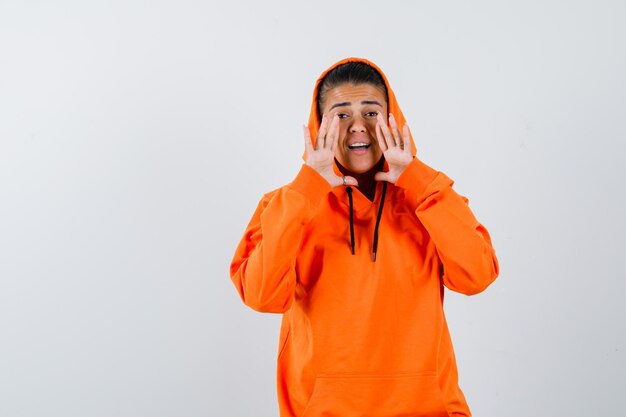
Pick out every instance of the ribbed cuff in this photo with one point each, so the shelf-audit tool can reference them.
(311, 184)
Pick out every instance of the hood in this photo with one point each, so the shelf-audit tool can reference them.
(393, 107)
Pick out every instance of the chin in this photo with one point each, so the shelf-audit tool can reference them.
(358, 165)
(360, 168)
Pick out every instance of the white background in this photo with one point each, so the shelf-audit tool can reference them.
(136, 138)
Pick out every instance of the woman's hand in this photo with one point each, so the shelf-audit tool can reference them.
(395, 147)
(322, 157)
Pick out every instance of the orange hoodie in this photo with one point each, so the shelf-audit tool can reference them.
(364, 338)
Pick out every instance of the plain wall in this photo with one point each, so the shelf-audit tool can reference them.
(136, 138)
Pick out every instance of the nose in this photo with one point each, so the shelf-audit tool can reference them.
(358, 125)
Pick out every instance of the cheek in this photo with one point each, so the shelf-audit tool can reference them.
(371, 127)
(343, 132)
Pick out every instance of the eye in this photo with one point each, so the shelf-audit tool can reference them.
(371, 114)
(342, 115)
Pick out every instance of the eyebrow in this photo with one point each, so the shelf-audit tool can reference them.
(347, 103)
(343, 103)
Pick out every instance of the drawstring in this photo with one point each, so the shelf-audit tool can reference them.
(349, 191)
(380, 214)
(378, 217)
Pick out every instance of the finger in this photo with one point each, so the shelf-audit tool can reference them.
(321, 135)
(308, 145)
(337, 131)
(406, 139)
(333, 133)
(382, 176)
(338, 181)
(394, 129)
(351, 181)
(386, 132)
(380, 137)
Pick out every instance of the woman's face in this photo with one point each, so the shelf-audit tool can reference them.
(357, 107)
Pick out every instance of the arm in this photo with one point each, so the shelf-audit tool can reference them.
(463, 244)
(263, 267)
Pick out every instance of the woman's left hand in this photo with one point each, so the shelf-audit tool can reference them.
(396, 148)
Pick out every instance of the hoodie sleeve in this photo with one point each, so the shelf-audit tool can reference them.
(263, 267)
(463, 244)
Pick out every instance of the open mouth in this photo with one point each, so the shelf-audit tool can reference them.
(359, 145)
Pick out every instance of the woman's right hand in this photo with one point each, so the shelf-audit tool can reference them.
(322, 157)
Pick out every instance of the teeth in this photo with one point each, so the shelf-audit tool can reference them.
(359, 145)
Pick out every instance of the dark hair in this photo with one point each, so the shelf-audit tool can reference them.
(349, 73)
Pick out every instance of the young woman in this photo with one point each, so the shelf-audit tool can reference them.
(355, 253)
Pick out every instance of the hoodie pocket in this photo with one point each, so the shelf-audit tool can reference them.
(398, 395)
